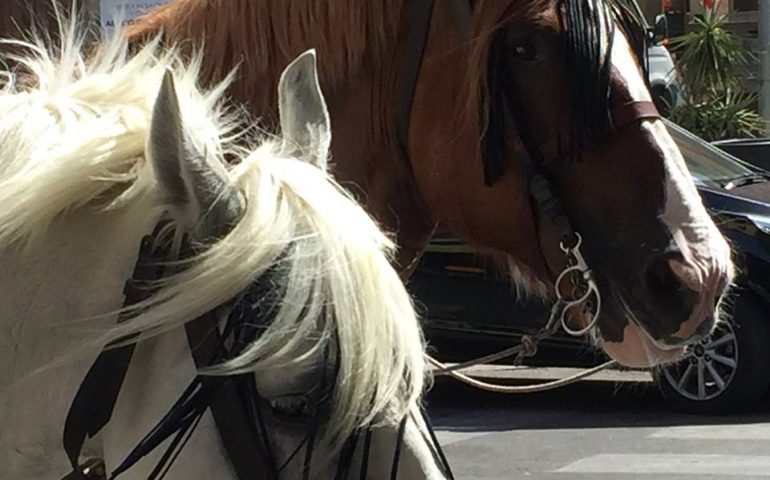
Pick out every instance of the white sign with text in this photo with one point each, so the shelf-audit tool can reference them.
(126, 10)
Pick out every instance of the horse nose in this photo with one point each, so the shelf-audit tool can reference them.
(685, 295)
(670, 281)
(681, 294)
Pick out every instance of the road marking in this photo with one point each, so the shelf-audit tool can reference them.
(465, 426)
(723, 465)
(754, 431)
(448, 437)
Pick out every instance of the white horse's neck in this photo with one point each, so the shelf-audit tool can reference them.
(79, 273)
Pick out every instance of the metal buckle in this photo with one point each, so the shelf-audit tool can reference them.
(91, 469)
(583, 289)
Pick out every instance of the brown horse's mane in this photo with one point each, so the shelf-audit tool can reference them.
(349, 35)
(261, 36)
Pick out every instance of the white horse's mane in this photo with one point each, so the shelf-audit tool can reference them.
(73, 133)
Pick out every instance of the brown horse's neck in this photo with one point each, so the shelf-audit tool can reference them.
(261, 37)
(357, 60)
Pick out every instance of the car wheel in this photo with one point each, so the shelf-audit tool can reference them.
(727, 371)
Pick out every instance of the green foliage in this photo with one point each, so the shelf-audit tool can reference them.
(711, 60)
(720, 116)
(711, 55)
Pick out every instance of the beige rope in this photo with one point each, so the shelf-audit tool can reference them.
(512, 389)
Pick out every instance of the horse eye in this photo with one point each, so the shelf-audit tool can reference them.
(524, 52)
(291, 407)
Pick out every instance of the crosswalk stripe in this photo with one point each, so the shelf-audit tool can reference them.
(722, 465)
(449, 437)
(756, 431)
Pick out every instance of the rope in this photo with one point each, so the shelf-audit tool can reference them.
(480, 360)
(528, 345)
(514, 389)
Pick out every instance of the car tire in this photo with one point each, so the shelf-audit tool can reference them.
(729, 370)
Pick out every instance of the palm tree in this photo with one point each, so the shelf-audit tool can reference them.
(711, 60)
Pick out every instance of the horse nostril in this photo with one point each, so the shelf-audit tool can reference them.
(679, 298)
(686, 274)
(662, 278)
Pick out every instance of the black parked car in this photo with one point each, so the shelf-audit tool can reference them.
(753, 150)
(471, 309)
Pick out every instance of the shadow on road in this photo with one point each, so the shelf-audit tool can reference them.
(456, 407)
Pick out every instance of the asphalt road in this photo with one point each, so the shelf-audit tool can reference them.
(593, 430)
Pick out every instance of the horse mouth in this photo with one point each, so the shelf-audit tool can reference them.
(638, 349)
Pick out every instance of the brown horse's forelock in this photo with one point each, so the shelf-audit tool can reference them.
(490, 17)
(583, 53)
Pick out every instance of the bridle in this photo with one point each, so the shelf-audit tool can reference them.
(96, 397)
(234, 401)
(576, 278)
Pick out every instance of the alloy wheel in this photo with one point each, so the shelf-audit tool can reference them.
(708, 366)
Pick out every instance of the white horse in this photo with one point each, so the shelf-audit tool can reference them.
(94, 153)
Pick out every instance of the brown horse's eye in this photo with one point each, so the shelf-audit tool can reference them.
(524, 52)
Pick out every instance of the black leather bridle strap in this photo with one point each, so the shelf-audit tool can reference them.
(397, 451)
(412, 37)
(436, 445)
(95, 400)
(365, 454)
(244, 449)
(346, 457)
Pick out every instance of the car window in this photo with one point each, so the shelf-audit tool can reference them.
(707, 163)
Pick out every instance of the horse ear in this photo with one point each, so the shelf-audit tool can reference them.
(305, 124)
(200, 194)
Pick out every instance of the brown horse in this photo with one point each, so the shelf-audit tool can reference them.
(507, 91)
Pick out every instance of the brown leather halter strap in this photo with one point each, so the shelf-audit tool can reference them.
(412, 38)
(630, 112)
(623, 115)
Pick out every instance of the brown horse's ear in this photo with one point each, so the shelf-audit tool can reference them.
(500, 138)
(305, 124)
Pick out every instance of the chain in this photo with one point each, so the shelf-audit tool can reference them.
(583, 288)
(583, 293)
